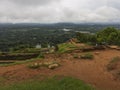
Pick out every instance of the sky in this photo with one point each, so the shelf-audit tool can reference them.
(53, 11)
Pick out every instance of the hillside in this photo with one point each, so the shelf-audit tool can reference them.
(87, 62)
(92, 71)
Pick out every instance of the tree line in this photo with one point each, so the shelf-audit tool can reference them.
(109, 36)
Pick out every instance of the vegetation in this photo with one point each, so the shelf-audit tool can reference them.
(18, 56)
(106, 36)
(41, 55)
(50, 84)
(87, 56)
(66, 47)
(75, 56)
(27, 50)
(18, 37)
(86, 38)
(114, 68)
(113, 63)
(109, 35)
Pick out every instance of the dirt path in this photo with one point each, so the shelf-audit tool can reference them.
(91, 71)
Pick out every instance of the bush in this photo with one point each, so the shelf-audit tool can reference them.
(75, 56)
(87, 56)
(41, 55)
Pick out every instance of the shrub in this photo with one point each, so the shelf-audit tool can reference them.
(87, 56)
(115, 59)
(41, 55)
(112, 65)
(75, 56)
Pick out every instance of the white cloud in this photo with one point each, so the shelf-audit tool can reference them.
(48, 11)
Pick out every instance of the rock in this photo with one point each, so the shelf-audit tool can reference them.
(113, 47)
(97, 53)
(47, 63)
(53, 66)
(36, 64)
(40, 64)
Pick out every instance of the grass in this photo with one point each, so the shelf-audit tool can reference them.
(20, 62)
(115, 59)
(28, 50)
(112, 64)
(113, 67)
(66, 47)
(65, 83)
(18, 56)
(87, 56)
(41, 55)
(75, 56)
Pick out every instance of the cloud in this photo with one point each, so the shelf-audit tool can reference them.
(50, 11)
(33, 2)
(29, 2)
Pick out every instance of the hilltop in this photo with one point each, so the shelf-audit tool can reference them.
(91, 70)
(92, 58)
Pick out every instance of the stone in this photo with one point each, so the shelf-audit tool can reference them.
(53, 66)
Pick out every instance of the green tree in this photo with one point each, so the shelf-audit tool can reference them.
(109, 35)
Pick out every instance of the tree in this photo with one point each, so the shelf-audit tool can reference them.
(86, 38)
(109, 35)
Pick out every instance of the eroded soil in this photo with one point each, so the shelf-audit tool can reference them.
(93, 72)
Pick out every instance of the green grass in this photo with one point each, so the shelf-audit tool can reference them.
(87, 56)
(20, 62)
(75, 56)
(65, 83)
(28, 50)
(41, 55)
(66, 47)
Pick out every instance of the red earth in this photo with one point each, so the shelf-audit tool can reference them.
(93, 72)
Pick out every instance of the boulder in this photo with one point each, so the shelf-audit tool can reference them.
(53, 66)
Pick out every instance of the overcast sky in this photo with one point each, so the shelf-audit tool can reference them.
(52, 11)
